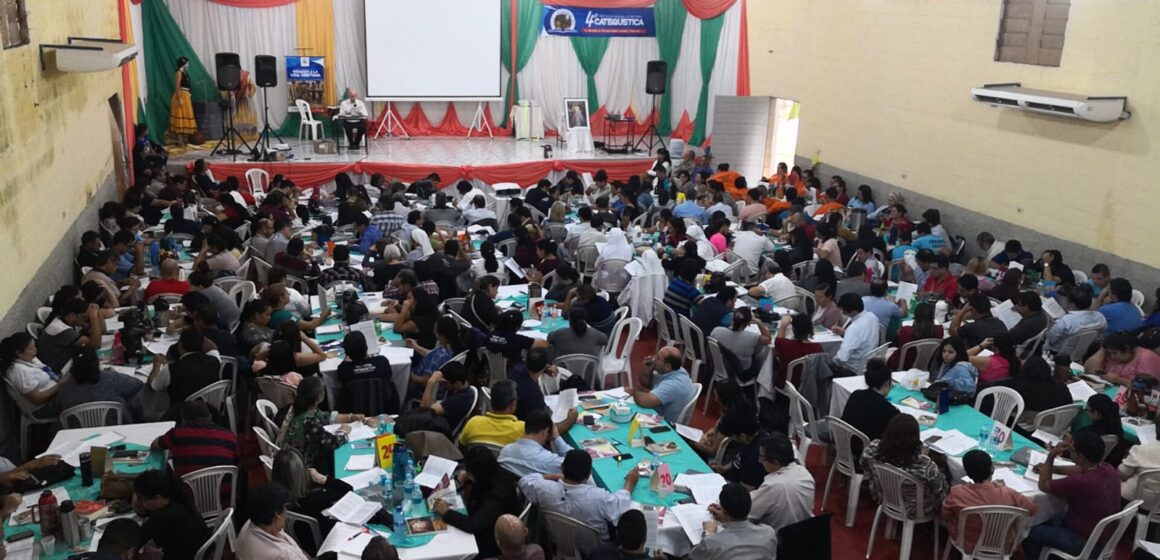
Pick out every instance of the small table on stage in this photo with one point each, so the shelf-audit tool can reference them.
(614, 127)
(339, 133)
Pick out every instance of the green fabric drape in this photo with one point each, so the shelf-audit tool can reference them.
(710, 36)
(529, 22)
(670, 22)
(163, 43)
(590, 51)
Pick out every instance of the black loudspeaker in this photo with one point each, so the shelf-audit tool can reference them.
(266, 70)
(654, 82)
(229, 71)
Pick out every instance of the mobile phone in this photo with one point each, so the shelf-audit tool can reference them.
(648, 440)
(18, 536)
(623, 457)
(660, 429)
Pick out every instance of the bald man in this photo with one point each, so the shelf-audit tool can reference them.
(671, 387)
(170, 281)
(353, 114)
(511, 536)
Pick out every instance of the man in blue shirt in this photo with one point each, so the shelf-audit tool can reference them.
(926, 239)
(904, 245)
(1012, 252)
(672, 389)
(529, 454)
(694, 209)
(366, 232)
(883, 308)
(1101, 275)
(130, 261)
(1117, 307)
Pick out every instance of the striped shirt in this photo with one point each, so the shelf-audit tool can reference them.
(387, 223)
(681, 296)
(199, 445)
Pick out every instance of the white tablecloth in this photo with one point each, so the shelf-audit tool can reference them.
(400, 374)
(528, 121)
(139, 434)
(579, 140)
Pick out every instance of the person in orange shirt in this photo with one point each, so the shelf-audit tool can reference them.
(831, 204)
(729, 180)
(781, 178)
(984, 492)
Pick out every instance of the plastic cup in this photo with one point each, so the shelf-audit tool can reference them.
(48, 545)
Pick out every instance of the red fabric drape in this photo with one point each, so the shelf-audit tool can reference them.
(743, 54)
(254, 3)
(705, 9)
(308, 175)
(417, 123)
(701, 9)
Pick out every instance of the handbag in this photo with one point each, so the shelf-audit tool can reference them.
(117, 486)
(956, 397)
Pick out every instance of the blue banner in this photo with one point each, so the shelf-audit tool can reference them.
(599, 22)
(304, 68)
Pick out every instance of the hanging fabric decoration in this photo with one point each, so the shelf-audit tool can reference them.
(525, 14)
(710, 36)
(743, 55)
(164, 43)
(253, 3)
(708, 9)
(670, 21)
(590, 51)
(316, 38)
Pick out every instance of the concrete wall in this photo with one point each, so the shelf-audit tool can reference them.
(56, 155)
(885, 94)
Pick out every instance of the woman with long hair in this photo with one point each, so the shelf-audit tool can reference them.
(304, 426)
(578, 337)
(181, 121)
(719, 236)
(789, 349)
(1053, 269)
(827, 245)
(479, 308)
(557, 213)
(1104, 414)
(901, 447)
(1009, 287)
(311, 492)
(172, 521)
(677, 231)
(277, 360)
(1120, 359)
(489, 264)
(923, 328)
(307, 361)
(450, 340)
(955, 366)
(1001, 364)
(864, 200)
(254, 324)
(977, 267)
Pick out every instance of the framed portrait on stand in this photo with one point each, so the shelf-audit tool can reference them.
(576, 112)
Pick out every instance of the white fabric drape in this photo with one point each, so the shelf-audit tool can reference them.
(620, 80)
(552, 74)
(212, 28)
(349, 46)
(724, 79)
(686, 84)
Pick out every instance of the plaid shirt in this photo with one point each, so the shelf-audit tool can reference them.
(344, 273)
(426, 285)
(387, 222)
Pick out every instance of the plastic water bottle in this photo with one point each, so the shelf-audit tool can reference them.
(416, 497)
(408, 490)
(985, 437)
(399, 534)
(386, 489)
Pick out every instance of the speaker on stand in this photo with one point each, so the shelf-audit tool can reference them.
(228, 67)
(654, 84)
(266, 76)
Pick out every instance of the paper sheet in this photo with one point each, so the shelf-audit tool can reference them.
(434, 470)
(1014, 265)
(339, 536)
(1006, 312)
(1151, 547)
(617, 393)
(705, 488)
(716, 265)
(515, 267)
(1012, 480)
(160, 347)
(690, 432)
(358, 431)
(508, 292)
(397, 355)
(1146, 433)
(353, 509)
(70, 451)
(650, 522)
(1053, 308)
(906, 291)
(360, 463)
(953, 442)
(566, 401)
(1038, 458)
(367, 328)
(365, 478)
(1049, 439)
(1080, 391)
(692, 518)
(534, 334)
(328, 329)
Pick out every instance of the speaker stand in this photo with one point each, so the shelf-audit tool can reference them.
(651, 138)
(478, 122)
(267, 130)
(389, 123)
(229, 135)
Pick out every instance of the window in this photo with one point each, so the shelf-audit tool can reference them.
(1031, 31)
(13, 23)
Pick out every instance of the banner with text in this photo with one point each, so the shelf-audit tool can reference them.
(599, 22)
(304, 77)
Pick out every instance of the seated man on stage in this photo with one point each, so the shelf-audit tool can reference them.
(353, 113)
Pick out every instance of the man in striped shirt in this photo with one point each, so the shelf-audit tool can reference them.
(682, 294)
(197, 442)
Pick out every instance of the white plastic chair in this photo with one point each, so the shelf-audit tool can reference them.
(802, 421)
(585, 366)
(497, 366)
(568, 534)
(1078, 343)
(891, 481)
(1031, 346)
(266, 442)
(228, 371)
(668, 326)
(27, 416)
(719, 372)
(1148, 492)
(207, 487)
(1007, 407)
(845, 463)
(213, 394)
(42, 315)
(1081, 277)
(617, 353)
(258, 179)
(923, 350)
(308, 123)
(267, 410)
(1057, 421)
(34, 330)
(223, 534)
(693, 342)
(312, 527)
(687, 412)
(1098, 547)
(94, 415)
(242, 292)
(1000, 531)
(267, 466)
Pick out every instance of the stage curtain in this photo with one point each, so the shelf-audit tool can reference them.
(528, 28)
(670, 18)
(350, 56)
(707, 9)
(710, 36)
(316, 37)
(163, 44)
(620, 82)
(590, 51)
(553, 74)
(254, 3)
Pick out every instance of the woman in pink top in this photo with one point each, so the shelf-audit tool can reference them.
(718, 233)
(1001, 364)
(1121, 360)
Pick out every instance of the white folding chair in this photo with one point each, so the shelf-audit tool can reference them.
(27, 416)
(257, 180)
(206, 485)
(585, 366)
(1007, 407)
(802, 422)
(242, 292)
(1000, 531)
(94, 415)
(668, 326)
(308, 124)
(693, 343)
(223, 534)
(891, 481)
(845, 463)
(267, 410)
(1148, 492)
(918, 354)
(266, 442)
(720, 373)
(1057, 421)
(1100, 545)
(569, 535)
(687, 412)
(617, 353)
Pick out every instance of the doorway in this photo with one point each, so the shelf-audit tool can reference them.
(783, 134)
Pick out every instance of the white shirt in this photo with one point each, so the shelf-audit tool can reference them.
(31, 376)
(476, 214)
(465, 202)
(778, 287)
(355, 108)
(749, 246)
(785, 497)
(298, 302)
(860, 338)
(996, 248)
(586, 503)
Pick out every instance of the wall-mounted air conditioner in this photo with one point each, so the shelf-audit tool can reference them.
(1094, 109)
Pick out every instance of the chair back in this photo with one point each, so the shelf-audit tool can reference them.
(719, 373)
(493, 447)
(722, 448)
(497, 365)
(364, 396)
(1081, 277)
(609, 275)
(215, 547)
(855, 219)
(227, 282)
(213, 394)
(460, 357)
(463, 421)
(668, 326)
(1057, 421)
(745, 276)
(843, 435)
(1110, 443)
(262, 270)
(266, 442)
(171, 299)
(548, 281)
(267, 411)
(34, 330)
(1031, 346)
(20, 400)
(620, 346)
(918, 354)
(207, 484)
(881, 351)
(257, 179)
(802, 421)
(687, 412)
(1000, 529)
(243, 291)
(556, 232)
(1148, 491)
(802, 270)
(267, 466)
(1077, 344)
(1007, 407)
(569, 535)
(894, 270)
(296, 522)
(586, 261)
(586, 366)
(42, 315)
(693, 341)
(228, 371)
(891, 483)
(507, 247)
(1101, 544)
(304, 110)
(795, 302)
(94, 415)
(454, 304)
(796, 369)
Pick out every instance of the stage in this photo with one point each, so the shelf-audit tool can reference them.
(486, 160)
